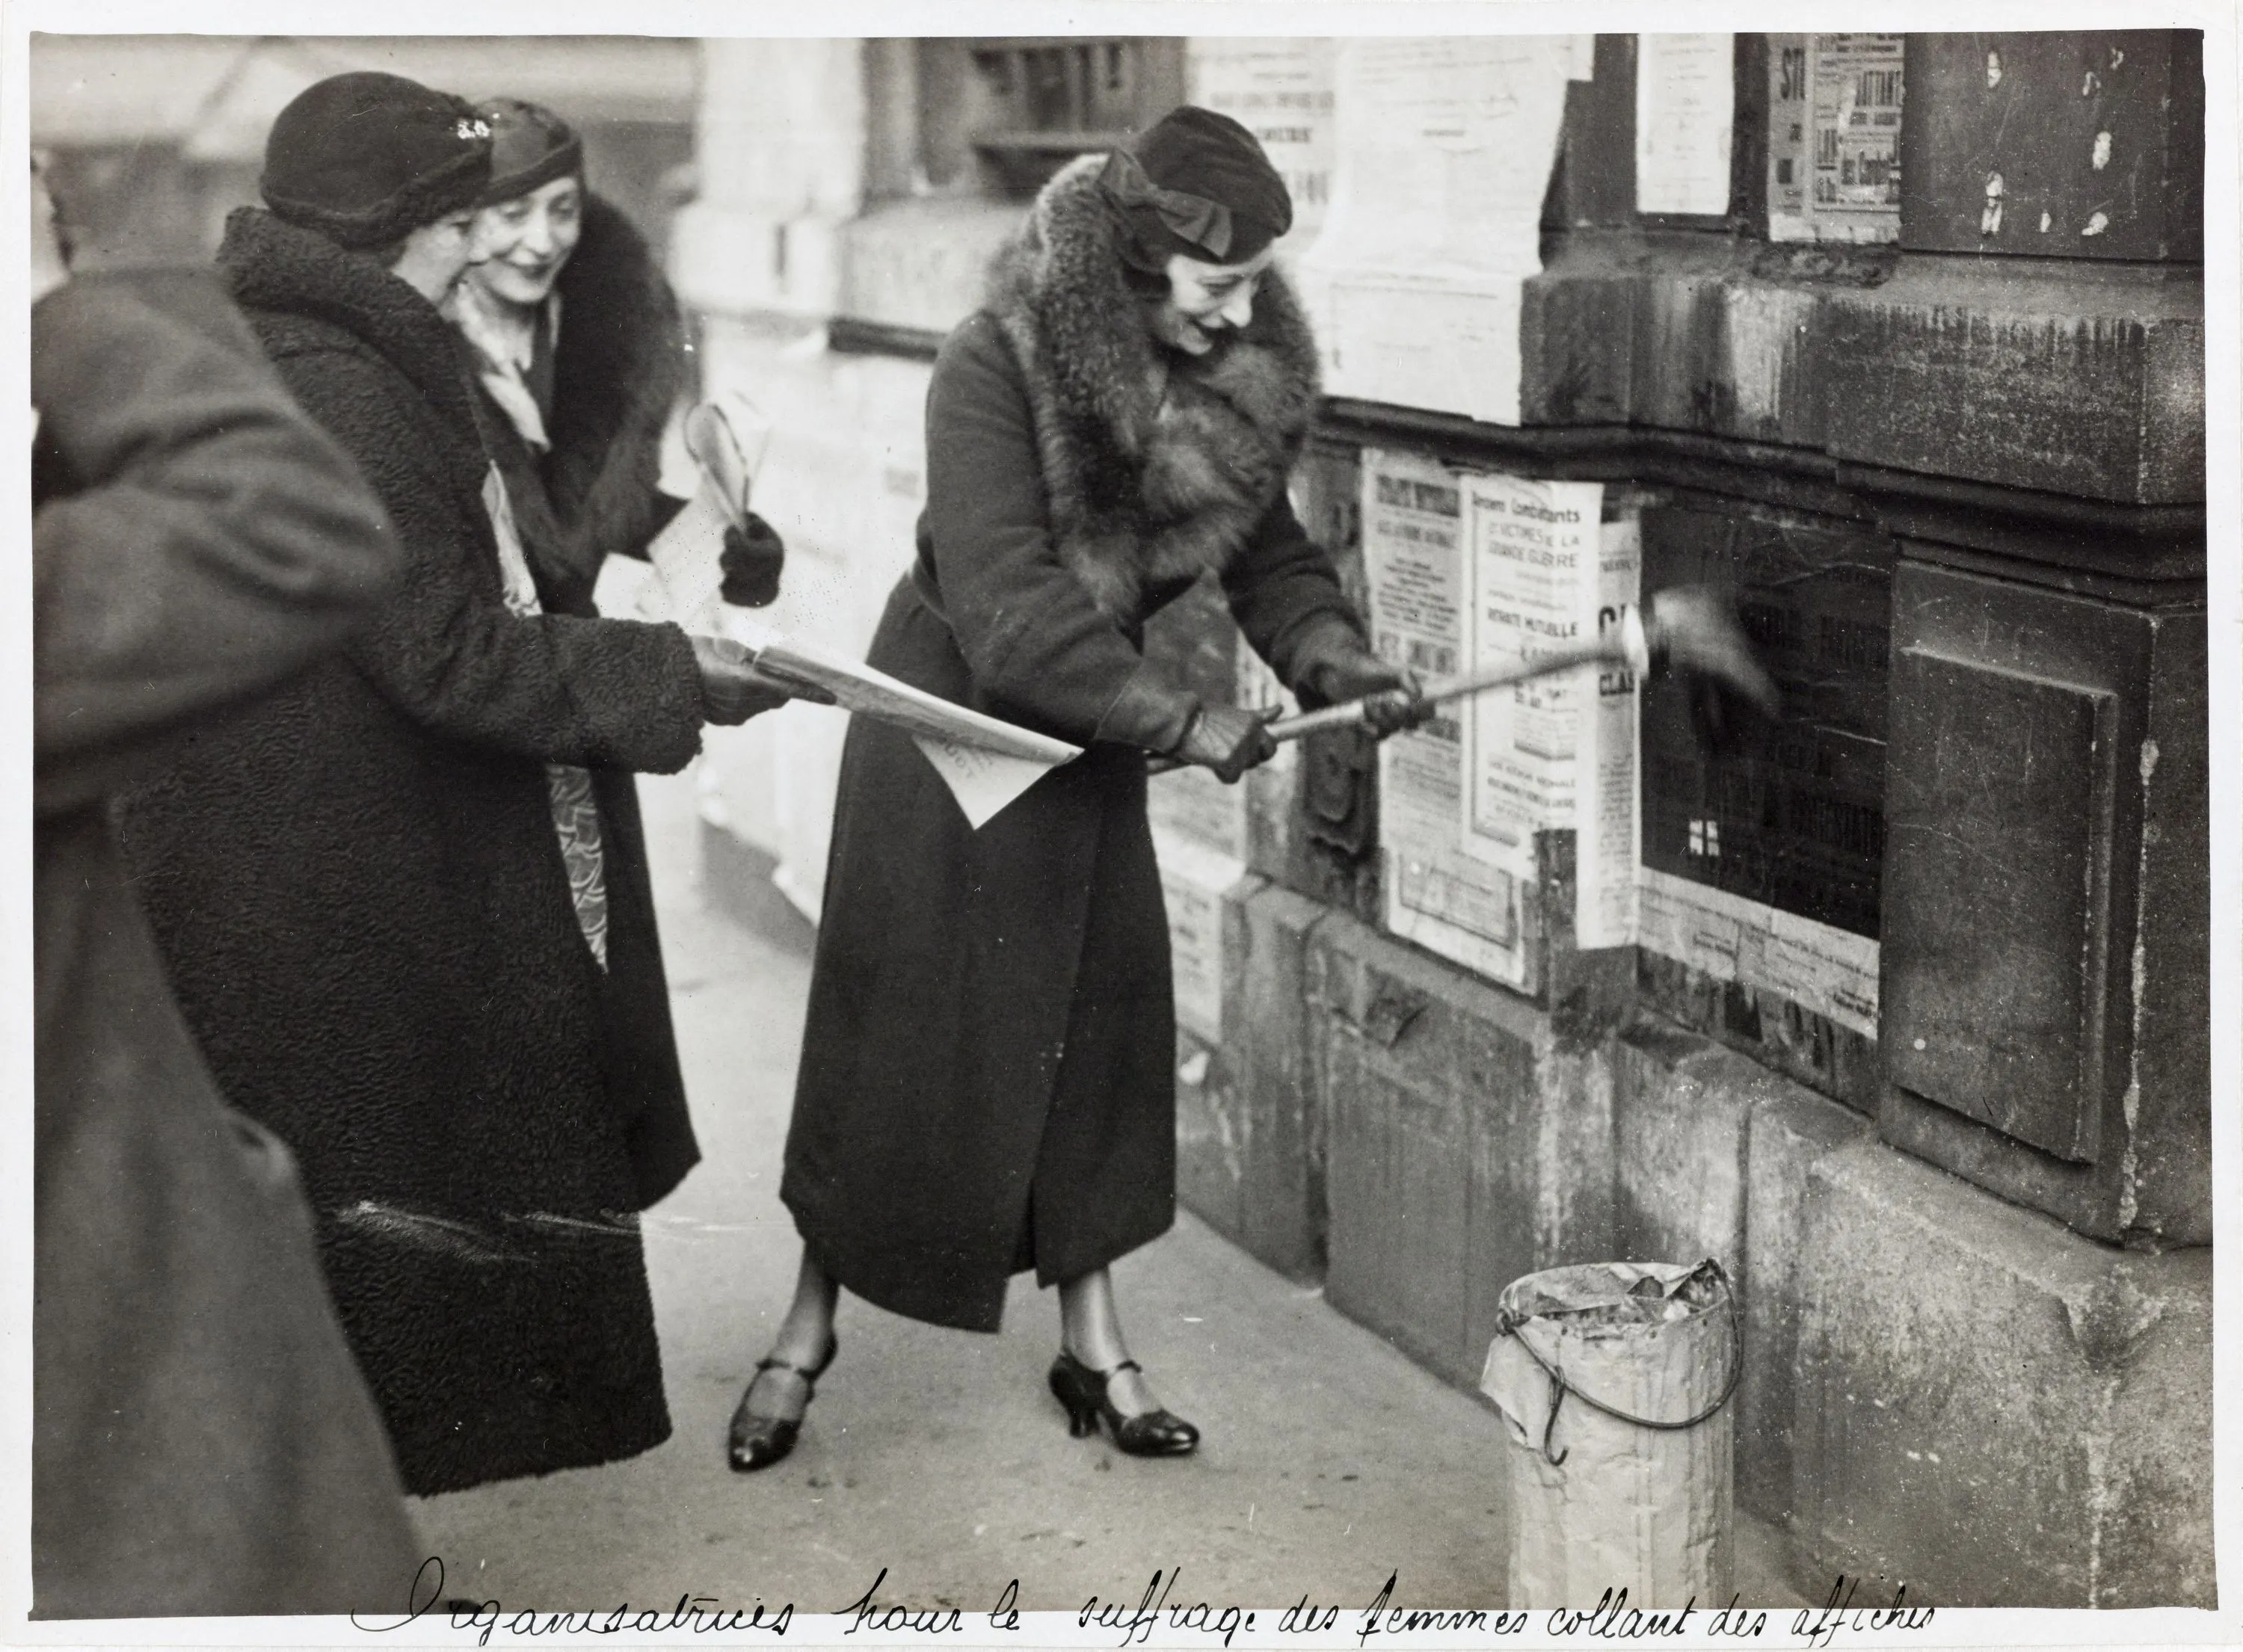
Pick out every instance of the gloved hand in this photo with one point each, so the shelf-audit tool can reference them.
(1336, 667)
(1228, 740)
(752, 561)
(733, 690)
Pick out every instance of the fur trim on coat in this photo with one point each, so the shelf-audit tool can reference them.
(619, 368)
(1148, 487)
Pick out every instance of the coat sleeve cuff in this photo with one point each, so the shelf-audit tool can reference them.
(1150, 712)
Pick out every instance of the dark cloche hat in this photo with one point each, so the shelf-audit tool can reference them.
(365, 158)
(530, 147)
(1196, 183)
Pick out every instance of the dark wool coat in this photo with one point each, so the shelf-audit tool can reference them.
(357, 884)
(202, 1441)
(986, 1078)
(619, 368)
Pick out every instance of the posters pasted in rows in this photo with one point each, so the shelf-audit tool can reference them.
(1466, 572)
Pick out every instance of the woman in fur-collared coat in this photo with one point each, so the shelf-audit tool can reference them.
(580, 355)
(986, 1082)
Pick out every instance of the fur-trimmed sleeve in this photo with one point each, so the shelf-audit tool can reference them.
(446, 650)
(1031, 632)
(1284, 590)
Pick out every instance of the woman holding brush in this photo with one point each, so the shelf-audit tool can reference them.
(986, 1083)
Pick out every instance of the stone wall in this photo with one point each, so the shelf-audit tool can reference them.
(1960, 495)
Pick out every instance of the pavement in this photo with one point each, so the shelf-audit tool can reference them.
(1329, 1460)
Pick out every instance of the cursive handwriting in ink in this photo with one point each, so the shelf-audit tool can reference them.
(1838, 1614)
(1420, 1620)
(866, 1613)
(699, 1613)
(1740, 1621)
(1136, 1623)
(1614, 1619)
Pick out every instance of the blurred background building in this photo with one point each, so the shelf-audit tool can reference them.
(1898, 339)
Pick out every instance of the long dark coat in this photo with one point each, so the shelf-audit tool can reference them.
(986, 1080)
(619, 368)
(202, 1441)
(358, 886)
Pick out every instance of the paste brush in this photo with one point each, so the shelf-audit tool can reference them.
(1688, 632)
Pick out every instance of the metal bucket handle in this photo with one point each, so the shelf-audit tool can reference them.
(1510, 1324)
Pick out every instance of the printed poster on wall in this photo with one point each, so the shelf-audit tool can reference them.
(1195, 880)
(1607, 818)
(1435, 895)
(1829, 971)
(1532, 573)
(1445, 151)
(1685, 109)
(1834, 111)
(1280, 90)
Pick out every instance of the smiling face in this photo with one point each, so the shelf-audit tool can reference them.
(1204, 302)
(524, 242)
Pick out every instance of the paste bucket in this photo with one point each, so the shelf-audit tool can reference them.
(1614, 1380)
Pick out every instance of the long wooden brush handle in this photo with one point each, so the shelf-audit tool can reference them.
(1353, 711)
(1615, 650)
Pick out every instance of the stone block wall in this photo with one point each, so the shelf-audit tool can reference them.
(1955, 1374)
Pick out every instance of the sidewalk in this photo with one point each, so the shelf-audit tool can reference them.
(1328, 1462)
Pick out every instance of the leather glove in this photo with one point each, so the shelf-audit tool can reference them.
(1228, 740)
(733, 690)
(1338, 668)
(752, 561)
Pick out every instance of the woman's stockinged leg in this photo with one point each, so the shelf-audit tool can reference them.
(1090, 1329)
(804, 1338)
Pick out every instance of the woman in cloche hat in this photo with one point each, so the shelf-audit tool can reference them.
(987, 1078)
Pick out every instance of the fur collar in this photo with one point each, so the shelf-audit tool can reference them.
(619, 367)
(272, 264)
(1148, 485)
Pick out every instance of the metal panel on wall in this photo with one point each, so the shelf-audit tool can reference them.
(2082, 143)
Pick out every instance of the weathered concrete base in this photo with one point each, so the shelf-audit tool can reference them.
(1249, 1138)
(1712, 1152)
(1466, 1144)
(1990, 1409)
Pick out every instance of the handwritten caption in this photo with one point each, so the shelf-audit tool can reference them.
(1843, 1613)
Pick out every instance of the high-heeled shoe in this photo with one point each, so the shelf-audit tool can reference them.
(1148, 1433)
(758, 1441)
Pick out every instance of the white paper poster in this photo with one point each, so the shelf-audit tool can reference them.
(1195, 881)
(1280, 90)
(1532, 564)
(1831, 972)
(1607, 811)
(1444, 148)
(1446, 901)
(1684, 108)
(1192, 802)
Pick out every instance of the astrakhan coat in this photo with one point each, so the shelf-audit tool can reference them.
(202, 1441)
(359, 889)
(986, 1080)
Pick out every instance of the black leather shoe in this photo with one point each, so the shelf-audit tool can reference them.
(758, 1441)
(1083, 1391)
